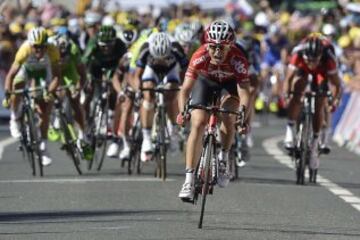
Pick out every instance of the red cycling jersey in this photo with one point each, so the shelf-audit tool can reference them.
(235, 67)
(325, 67)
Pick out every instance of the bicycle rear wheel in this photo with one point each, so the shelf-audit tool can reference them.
(208, 155)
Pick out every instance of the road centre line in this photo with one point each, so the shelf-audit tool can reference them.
(271, 147)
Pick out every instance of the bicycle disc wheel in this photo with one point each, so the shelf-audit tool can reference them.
(206, 176)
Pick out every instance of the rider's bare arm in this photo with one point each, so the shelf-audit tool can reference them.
(290, 73)
(14, 69)
(244, 95)
(138, 73)
(185, 91)
(334, 79)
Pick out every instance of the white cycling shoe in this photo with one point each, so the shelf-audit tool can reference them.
(124, 153)
(187, 191)
(224, 175)
(146, 149)
(113, 150)
(15, 128)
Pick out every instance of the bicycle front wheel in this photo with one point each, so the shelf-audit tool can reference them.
(206, 175)
(99, 136)
(26, 143)
(34, 140)
(304, 147)
(70, 144)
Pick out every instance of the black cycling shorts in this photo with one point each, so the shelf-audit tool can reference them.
(204, 91)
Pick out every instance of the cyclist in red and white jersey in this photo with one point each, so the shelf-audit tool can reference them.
(218, 65)
(314, 56)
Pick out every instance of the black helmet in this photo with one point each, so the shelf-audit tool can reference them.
(313, 47)
(106, 34)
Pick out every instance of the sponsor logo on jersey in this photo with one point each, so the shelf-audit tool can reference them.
(220, 74)
(199, 60)
(238, 65)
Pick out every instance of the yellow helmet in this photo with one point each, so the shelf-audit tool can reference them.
(29, 25)
(37, 36)
(15, 28)
(58, 22)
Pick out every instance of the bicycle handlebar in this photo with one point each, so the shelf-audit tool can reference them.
(215, 109)
(160, 89)
(27, 90)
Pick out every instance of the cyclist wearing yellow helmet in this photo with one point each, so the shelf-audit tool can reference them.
(35, 60)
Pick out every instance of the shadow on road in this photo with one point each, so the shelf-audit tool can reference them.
(52, 215)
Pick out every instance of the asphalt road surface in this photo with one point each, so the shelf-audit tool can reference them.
(265, 203)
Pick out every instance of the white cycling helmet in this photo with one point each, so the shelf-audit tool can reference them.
(328, 29)
(159, 45)
(92, 18)
(184, 34)
(220, 31)
(37, 36)
(108, 21)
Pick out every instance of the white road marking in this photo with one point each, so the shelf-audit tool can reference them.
(270, 145)
(4, 143)
(85, 180)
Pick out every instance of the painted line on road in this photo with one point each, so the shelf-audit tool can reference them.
(270, 146)
(85, 180)
(6, 142)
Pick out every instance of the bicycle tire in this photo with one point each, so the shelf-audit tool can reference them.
(136, 140)
(301, 165)
(25, 145)
(70, 144)
(163, 147)
(208, 148)
(99, 140)
(35, 143)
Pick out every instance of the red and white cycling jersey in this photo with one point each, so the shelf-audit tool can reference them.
(326, 66)
(235, 67)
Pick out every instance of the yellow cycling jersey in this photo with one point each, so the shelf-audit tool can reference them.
(26, 57)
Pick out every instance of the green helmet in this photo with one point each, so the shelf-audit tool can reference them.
(106, 34)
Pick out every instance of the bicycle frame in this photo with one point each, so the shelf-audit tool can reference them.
(206, 171)
(304, 135)
(29, 137)
(160, 132)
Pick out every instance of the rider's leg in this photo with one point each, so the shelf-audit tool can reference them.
(317, 124)
(254, 86)
(44, 111)
(227, 133)
(294, 107)
(147, 115)
(125, 125)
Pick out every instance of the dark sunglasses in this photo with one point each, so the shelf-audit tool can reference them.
(216, 46)
(39, 46)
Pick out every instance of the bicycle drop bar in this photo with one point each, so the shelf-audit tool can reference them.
(27, 90)
(160, 89)
(214, 109)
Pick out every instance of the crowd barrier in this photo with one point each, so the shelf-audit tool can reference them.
(346, 122)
